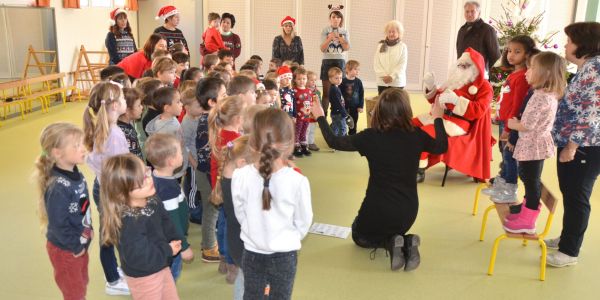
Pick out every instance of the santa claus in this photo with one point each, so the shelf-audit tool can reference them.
(466, 97)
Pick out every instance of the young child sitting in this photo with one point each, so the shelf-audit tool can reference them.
(137, 223)
(286, 92)
(336, 100)
(353, 92)
(133, 98)
(302, 106)
(164, 152)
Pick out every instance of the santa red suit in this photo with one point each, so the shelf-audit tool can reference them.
(466, 114)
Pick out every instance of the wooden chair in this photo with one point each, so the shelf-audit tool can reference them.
(503, 210)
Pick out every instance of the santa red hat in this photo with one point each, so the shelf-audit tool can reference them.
(288, 19)
(479, 62)
(284, 72)
(166, 11)
(114, 13)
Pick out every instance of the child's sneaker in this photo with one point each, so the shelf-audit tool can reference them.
(305, 151)
(298, 151)
(552, 243)
(211, 255)
(506, 194)
(117, 288)
(313, 147)
(559, 260)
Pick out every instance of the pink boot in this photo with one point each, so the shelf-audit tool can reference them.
(524, 223)
(512, 217)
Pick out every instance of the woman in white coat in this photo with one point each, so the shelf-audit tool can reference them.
(390, 58)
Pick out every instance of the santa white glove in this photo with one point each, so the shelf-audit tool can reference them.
(448, 97)
(429, 81)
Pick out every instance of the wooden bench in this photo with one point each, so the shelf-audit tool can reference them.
(503, 210)
(12, 95)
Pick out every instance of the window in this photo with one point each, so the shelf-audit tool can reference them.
(102, 3)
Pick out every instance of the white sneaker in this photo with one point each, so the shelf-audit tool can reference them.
(507, 194)
(119, 288)
(552, 243)
(559, 260)
(121, 273)
(499, 182)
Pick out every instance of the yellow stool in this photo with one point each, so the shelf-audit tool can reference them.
(480, 187)
(503, 210)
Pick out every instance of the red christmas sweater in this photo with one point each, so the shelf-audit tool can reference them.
(213, 41)
(514, 92)
(303, 103)
(135, 64)
(226, 136)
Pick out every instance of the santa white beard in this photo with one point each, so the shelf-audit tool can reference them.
(459, 77)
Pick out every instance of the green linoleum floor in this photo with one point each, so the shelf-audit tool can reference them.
(454, 261)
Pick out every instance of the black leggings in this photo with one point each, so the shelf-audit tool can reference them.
(530, 172)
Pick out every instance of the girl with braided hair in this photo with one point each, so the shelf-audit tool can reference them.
(272, 203)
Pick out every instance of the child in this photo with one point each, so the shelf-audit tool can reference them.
(189, 124)
(310, 135)
(274, 64)
(133, 98)
(273, 206)
(286, 93)
(211, 38)
(338, 110)
(519, 49)
(547, 76)
(164, 152)
(148, 88)
(109, 71)
(225, 124)
(209, 92)
(263, 97)
(138, 224)
(168, 100)
(193, 73)
(184, 86)
(183, 63)
(225, 55)
(209, 62)
(244, 87)
(64, 207)
(104, 139)
(227, 67)
(272, 89)
(302, 105)
(353, 91)
(165, 70)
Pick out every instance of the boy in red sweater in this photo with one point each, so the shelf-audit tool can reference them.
(213, 41)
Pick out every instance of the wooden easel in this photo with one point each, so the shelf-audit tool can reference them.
(87, 72)
(43, 65)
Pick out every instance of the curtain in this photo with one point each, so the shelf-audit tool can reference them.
(42, 3)
(71, 4)
(131, 5)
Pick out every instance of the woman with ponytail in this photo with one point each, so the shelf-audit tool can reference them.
(104, 139)
(64, 207)
(272, 203)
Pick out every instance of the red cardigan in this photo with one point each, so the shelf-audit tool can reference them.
(135, 64)
(513, 99)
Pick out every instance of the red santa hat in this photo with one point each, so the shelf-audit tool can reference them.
(479, 62)
(284, 72)
(114, 13)
(288, 19)
(166, 11)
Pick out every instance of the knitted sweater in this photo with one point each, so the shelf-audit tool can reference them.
(172, 37)
(119, 47)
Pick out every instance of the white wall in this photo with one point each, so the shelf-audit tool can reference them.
(85, 26)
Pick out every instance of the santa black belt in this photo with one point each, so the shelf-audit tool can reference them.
(449, 113)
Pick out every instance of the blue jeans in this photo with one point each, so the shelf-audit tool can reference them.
(510, 170)
(338, 125)
(222, 236)
(176, 266)
(108, 260)
(238, 286)
(275, 271)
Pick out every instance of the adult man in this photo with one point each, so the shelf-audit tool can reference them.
(475, 33)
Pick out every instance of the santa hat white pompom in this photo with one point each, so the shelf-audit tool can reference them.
(114, 13)
(473, 90)
(166, 11)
